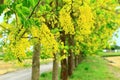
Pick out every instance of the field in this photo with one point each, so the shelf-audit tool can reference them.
(9, 66)
(94, 68)
(104, 67)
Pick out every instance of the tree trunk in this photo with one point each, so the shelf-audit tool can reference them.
(80, 58)
(1, 1)
(64, 63)
(64, 69)
(36, 62)
(119, 1)
(71, 64)
(76, 60)
(55, 67)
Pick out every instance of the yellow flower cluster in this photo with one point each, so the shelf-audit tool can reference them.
(47, 40)
(65, 20)
(19, 48)
(85, 21)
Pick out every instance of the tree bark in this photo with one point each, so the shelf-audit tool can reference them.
(71, 62)
(64, 69)
(76, 60)
(64, 63)
(55, 67)
(80, 58)
(36, 62)
(119, 1)
(1, 1)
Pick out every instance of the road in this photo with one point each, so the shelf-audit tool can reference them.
(25, 74)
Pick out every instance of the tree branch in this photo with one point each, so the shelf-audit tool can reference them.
(1, 1)
(34, 9)
(4, 27)
(29, 37)
(107, 9)
(119, 1)
(30, 17)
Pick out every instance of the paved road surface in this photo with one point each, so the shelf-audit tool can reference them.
(24, 74)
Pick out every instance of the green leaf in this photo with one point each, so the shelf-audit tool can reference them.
(92, 1)
(8, 13)
(32, 2)
(66, 47)
(26, 3)
(2, 7)
(25, 10)
(55, 30)
(48, 1)
(22, 11)
(48, 8)
(18, 6)
(42, 8)
(29, 3)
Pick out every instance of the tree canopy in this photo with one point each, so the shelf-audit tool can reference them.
(58, 26)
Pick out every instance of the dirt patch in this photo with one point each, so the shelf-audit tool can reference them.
(114, 61)
(115, 72)
(6, 67)
(114, 66)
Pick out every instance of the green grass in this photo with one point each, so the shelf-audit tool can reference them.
(28, 62)
(46, 76)
(92, 68)
(1, 57)
(110, 54)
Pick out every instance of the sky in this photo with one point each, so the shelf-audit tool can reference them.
(117, 39)
(1, 18)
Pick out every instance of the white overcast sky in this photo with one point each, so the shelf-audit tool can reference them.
(117, 39)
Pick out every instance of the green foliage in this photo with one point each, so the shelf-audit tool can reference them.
(52, 23)
(92, 1)
(87, 21)
(29, 54)
(47, 76)
(92, 68)
(109, 54)
(43, 75)
(8, 56)
(2, 7)
(45, 56)
(1, 56)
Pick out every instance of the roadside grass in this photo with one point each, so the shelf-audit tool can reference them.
(6, 67)
(13, 65)
(109, 54)
(1, 57)
(91, 68)
(28, 62)
(46, 76)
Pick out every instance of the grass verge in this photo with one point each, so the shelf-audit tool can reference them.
(9, 66)
(110, 54)
(92, 68)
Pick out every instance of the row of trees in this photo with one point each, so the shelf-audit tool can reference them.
(66, 30)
